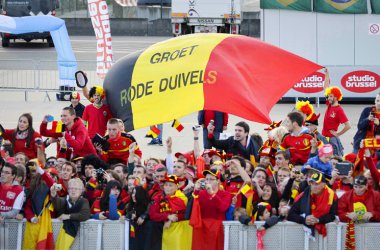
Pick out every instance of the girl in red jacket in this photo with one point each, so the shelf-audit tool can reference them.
(23, 138)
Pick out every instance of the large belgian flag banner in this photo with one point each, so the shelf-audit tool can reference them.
(375, 4)
(301, 5)
(341, 6)
(235, 74)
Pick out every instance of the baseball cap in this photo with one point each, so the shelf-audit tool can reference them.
(213, 172)
(360, 180)
(317, 178)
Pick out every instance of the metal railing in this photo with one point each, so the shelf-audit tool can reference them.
(289, 235)
(95, 234)
(38, 75)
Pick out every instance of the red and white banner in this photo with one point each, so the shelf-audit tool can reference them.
(354, 82)
(101, 23)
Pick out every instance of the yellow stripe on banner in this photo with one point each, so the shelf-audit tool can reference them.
(168, 75)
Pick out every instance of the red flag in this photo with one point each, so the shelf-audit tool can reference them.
(200, 163)
(209, 236)
(195, 218)
(359, 163)
(177, 125)
(247, 191)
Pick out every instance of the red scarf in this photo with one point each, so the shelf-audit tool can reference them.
(320, 205)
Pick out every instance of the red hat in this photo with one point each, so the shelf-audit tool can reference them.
(350, 157)
(213, 172)
(172, 178)
(187, 157)
(273, 125)
(313, 119)
(326, 149)
(157, 166)
(75, 95)
(214, 152)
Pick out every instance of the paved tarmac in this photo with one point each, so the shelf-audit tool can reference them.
(12, 104)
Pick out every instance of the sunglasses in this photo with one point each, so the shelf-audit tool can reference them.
(51, 163)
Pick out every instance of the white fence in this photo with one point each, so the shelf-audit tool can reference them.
(93, 234)
(288, 235)
(96, 235)
(38, 75)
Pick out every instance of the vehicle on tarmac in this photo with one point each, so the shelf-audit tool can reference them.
(20, 8)
(166, 3)
(205, 16)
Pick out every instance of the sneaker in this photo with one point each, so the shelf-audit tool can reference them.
(160, 143)
(153, 142)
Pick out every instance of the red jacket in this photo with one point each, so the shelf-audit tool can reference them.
(371, 200)
(20, 144)
(163, 206)
(214, 207)
(77, 138)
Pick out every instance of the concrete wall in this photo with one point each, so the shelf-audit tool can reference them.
(144, 27)
(122, 27)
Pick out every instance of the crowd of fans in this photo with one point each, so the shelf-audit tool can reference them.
(296, 174)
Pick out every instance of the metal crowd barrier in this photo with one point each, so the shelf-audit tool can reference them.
(93, 234)
(38, 75)
(96, 235)
(289, 235)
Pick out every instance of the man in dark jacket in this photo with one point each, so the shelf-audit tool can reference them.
(240, 144)
(368, 124)
(315, 207)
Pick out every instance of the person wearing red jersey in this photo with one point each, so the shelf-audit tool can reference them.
(297, 141)
(236, 180)
(119, 143)
(23, 138)
(96, 114)
(334, 116)
(360, 204)
(11, 195)
(75, 135)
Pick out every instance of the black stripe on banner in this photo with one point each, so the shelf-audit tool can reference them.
(116, 83)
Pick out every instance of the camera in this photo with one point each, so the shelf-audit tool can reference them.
(212, 122)
(373, 114)
(38, 141)
(58, 187)
(99, 175)
(203, 184)
(196, 127)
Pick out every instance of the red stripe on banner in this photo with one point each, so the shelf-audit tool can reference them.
(98, 10)
(247, 77)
